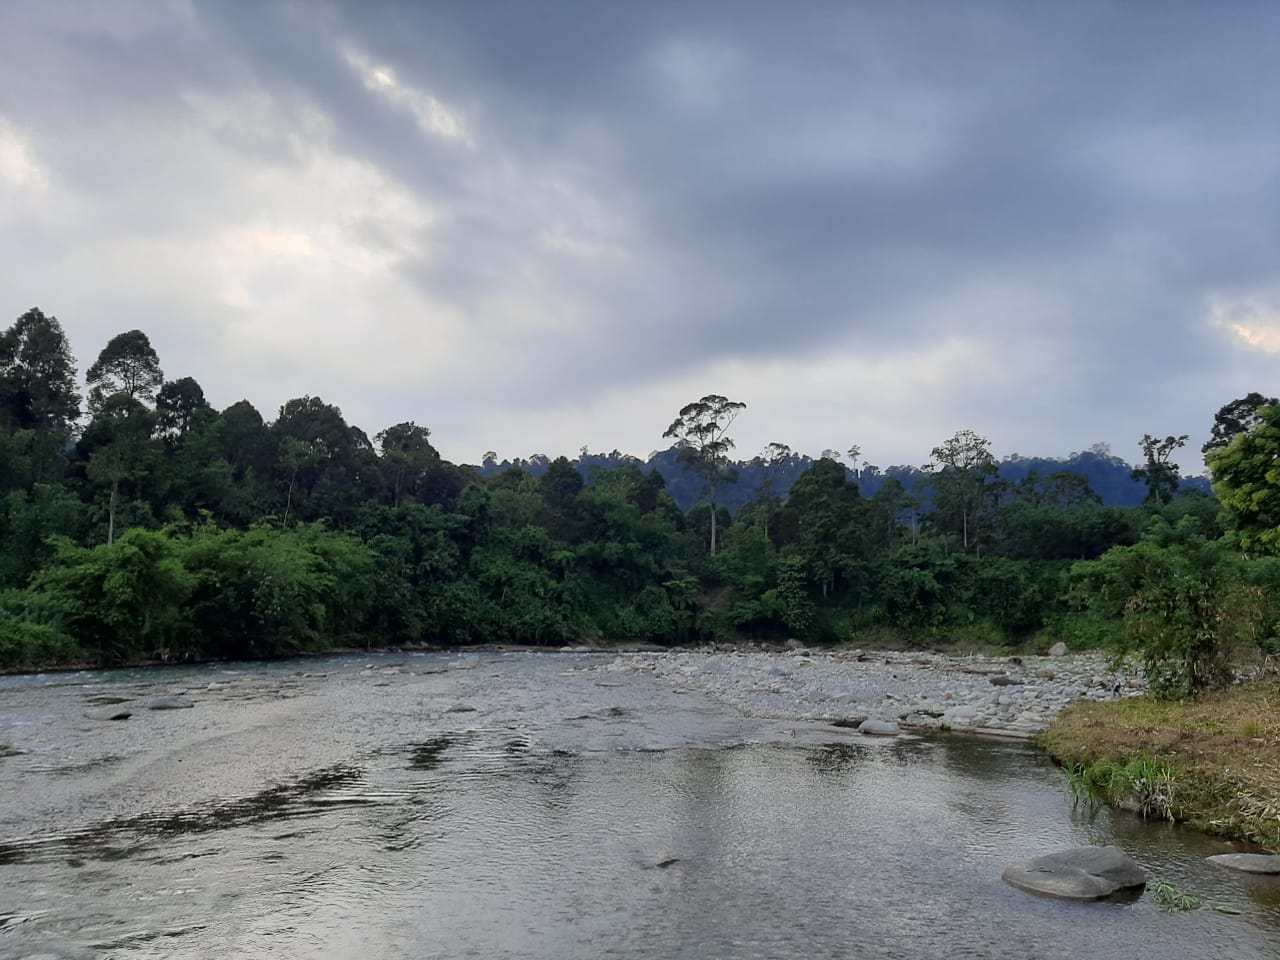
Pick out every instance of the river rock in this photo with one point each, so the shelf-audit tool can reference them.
(1080, 873)
(109, 713)
(461, 708)
(879, 728)
(170, 703)
(1248, 862)
(1059, 649)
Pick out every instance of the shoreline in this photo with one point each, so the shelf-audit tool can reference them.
(1212, 763)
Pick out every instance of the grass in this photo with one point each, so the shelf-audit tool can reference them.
(1171, 898)
(1213, 762)
(1142, 785)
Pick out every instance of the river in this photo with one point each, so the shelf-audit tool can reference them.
(521, 805)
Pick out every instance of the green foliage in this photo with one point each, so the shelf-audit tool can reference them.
(124, 601)
(1159, 473)
(1247, 482)
(1141, 785)
(127, 367)
(27, 643)
(701, 432)
(1186, 608)
(242, 538)
(795, 609)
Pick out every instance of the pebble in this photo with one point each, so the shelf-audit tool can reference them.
(919, 691)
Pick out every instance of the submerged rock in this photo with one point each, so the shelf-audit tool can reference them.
(879, 728)
(1248, 862)
(1080, 873)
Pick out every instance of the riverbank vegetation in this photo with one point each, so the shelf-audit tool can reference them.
(145, 524)
(1212, 761)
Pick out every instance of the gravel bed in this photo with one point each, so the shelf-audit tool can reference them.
(1000, 696)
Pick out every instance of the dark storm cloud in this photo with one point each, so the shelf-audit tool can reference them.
(638, 188)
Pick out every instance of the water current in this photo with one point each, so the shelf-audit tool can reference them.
(520, 805)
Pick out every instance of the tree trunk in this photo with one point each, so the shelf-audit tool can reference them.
(713, 519)
(111, 513)
(288, 499)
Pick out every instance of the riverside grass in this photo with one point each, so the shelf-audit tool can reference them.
(1217, 757)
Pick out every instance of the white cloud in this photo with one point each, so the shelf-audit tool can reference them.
(1253, 320)
(19, 165)
(432, 116)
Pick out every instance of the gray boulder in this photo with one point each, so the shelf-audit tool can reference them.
(1080, 873)
(879, 728)
(109, 713)
(1248, 862)
(1059, 649)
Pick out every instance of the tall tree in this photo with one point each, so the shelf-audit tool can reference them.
(37, 375)
(127, 366)
(961, 467)
(774, 457)
(1239, 416)
(406, 453)
(701, 432)
(178, 404)
(121, 448)
(1159, 473)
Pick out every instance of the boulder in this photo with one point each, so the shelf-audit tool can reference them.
(1248, 862)
(960, 715)
(1005, 681)
(1059, 649)
(1080, 873)
(461, 708)
(109, 713)
(879, 728)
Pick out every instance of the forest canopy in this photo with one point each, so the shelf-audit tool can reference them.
(140, 523)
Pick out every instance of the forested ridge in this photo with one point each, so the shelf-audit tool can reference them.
(139, 523)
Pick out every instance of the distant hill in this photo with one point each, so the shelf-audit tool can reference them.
(1109, 476)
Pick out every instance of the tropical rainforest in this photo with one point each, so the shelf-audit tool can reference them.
(141, 524)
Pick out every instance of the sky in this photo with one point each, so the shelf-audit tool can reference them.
(533, 227)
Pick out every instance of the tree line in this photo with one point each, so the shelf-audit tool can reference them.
(140, 523)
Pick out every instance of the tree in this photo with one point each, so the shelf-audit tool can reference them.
(960, 469)
(1239, 416)
(327, 465)
(120, 447)
(1160, 474)
(830, 518)
(1247, 482)
(178, 405)
(127, 366)
(37, 375)
(701, 432)
(406, 453)
(774, 457)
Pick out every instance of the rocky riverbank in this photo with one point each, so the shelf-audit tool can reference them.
(998, 696)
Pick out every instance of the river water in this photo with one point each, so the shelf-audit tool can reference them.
(490, 805)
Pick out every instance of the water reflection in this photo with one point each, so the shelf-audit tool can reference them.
(562, 820)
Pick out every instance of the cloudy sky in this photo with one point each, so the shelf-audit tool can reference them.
(533, 226)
